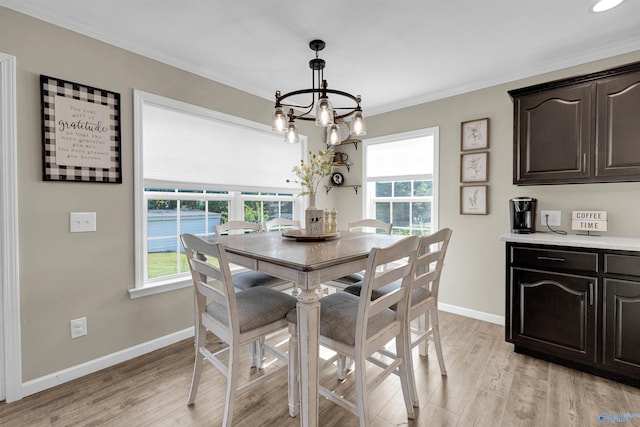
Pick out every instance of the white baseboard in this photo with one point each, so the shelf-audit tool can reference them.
(48, 381)
(474, 314)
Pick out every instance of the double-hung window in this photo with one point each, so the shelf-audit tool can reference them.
(196, 168)
(400, 176)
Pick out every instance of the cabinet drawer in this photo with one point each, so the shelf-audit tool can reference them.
(554, 259)
(622, 264)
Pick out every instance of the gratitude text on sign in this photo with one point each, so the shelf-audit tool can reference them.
(589, 220)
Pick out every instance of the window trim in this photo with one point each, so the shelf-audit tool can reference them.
(367, 206)
(140, 98)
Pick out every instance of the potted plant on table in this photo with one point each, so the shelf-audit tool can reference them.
(309, 175)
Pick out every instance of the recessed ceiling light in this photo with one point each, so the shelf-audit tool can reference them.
(604, 5)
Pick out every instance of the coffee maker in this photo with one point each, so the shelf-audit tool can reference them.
(523, 215)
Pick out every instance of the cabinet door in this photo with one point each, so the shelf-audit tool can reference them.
(553, 136)
(554, 313)
(618, 135)
(621, 334)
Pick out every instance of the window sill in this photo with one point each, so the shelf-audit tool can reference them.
(161, 287)
(171, 285)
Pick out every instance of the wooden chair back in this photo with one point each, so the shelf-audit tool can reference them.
(238, 227)
(369, 223)
(398, 259)
(208, 261)
(430, 260)
(282, 224)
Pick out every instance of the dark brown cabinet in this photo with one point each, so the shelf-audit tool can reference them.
(622, 313)
(618, 127)
(555, 313)
(577, 130)
(576, 306)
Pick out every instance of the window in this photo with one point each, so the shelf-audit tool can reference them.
(400, 176)
(171, 213)
(192, 173)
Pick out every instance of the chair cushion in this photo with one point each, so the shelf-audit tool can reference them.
(249, 279)
(350, 279)
(256, 307)
(338, 315)
(417, 295)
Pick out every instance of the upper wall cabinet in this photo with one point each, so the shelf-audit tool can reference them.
(578, 130)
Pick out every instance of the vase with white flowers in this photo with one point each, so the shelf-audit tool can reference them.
(309, 175)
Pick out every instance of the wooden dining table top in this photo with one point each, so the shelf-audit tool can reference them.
(277, 249)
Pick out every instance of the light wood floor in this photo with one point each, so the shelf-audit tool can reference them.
(488, 385)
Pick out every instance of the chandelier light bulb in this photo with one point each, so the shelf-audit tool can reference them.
(334, 135)
(291, 135)
(279, 120)
(324, 112)
(358, 127)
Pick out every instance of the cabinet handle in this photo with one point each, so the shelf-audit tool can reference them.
(591, 293)
(550, 258)
(584, 162)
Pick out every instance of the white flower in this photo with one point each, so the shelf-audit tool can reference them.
(309, 175)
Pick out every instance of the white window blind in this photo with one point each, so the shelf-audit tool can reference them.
(205, 147)
(409, 157)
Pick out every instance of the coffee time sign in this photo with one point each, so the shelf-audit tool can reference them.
(589, 220)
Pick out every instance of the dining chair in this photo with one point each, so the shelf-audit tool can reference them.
(367, 225)
(424, 297)
(359, 327)
(247, 279)
(236, 319)
(282, 224)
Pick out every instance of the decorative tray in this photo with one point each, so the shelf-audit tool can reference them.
(302, 235)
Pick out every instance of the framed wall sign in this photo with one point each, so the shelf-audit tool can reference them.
(474, 134)
(474, 167)
(473, 200)
(80, 132)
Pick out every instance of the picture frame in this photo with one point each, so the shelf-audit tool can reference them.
(474, 167)
(81, 139)
(474, 134)
(474, 200)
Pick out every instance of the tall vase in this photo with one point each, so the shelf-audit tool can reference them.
(314, 222)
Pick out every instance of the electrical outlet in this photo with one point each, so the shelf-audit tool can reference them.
(550, 218)
(79, 327)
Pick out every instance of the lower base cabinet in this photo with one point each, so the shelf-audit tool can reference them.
(622, 326)
(576, 306)
(555, 312)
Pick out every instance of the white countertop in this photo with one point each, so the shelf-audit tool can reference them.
(599, 242)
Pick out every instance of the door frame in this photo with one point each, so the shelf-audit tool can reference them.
(10, 343)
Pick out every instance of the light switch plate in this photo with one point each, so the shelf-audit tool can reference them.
(80, 222)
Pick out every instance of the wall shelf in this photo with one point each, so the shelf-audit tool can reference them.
(346, 165)
(328, 188)
(355, 142)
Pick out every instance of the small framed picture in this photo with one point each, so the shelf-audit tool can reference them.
(473, 199)
(474, 135)
(474, 167)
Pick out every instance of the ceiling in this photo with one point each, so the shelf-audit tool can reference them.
(393, 53)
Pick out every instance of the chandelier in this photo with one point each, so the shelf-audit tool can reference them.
(326, 114)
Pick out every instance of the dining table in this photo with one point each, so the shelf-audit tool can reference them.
(307, 262)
